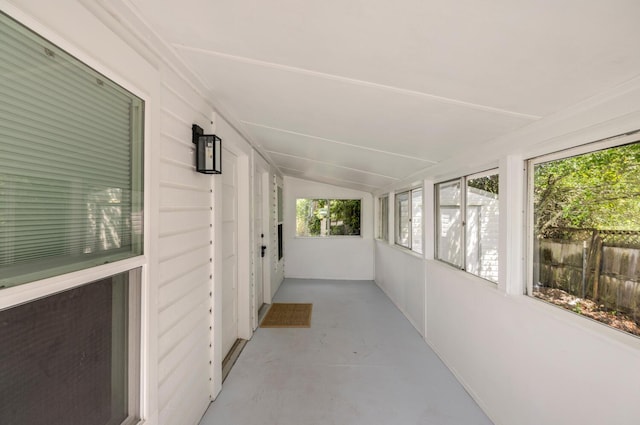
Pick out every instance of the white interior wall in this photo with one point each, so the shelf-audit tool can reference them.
(524, 362)
(349, 257)
(404, 285)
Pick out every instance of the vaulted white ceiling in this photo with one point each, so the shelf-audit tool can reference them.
(366, 93)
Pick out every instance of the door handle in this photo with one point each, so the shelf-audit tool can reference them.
(263, 248)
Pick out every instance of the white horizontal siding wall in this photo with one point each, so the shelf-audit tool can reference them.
(185, 259)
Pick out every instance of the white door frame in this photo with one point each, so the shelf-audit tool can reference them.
(260, 176)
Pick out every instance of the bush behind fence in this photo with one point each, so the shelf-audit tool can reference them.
(602, 266)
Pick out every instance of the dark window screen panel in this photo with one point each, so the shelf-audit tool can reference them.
(280, 243)
(63, 358)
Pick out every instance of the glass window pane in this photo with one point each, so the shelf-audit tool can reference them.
(449, 223)
(416, 220)
(66, 358)
(482, 226)
(344, 217)
(310, 214)
(70, 162)
(324, 217)
(403, 226)
(587, 235)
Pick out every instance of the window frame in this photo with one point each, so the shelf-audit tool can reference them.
(397, 222)
(463, 217)
(438, 227)
(131, 381)
(529, 164)
(382, 228)
(138, 173)
(136, 266)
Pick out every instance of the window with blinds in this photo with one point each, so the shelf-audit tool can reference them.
(71, 189)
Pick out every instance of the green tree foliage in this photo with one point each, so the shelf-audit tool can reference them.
(488, 183)
(340, 217)
(596, 190)
(345, 217)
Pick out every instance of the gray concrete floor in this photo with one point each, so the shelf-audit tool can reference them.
(361, 362)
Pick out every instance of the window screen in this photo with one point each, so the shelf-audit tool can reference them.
(70, 162)
(71, 358)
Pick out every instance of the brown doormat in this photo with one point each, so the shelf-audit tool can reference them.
(288, 315)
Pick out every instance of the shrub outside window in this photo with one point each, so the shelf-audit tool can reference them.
(586, 232)
(327, 217)
(467, 224)
(408, 214)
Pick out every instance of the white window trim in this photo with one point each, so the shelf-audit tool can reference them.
(32, 291)
(379, 200)
(463, 214)
(396, 220)
(361, 236)
(530, 164)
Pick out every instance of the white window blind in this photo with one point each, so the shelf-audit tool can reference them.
(70, 162)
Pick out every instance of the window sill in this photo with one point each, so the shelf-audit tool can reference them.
(400, 248)
(29, 291)
(583, 323)
(462, 274)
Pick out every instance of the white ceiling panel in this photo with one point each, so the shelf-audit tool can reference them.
(304, 146)
(325, 88)
(318, 168)
(327, 179)
(407, 123)
(528, 56)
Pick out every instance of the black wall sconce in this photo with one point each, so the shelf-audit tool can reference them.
(208, 151)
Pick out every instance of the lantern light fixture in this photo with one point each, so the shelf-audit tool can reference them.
(208, 151)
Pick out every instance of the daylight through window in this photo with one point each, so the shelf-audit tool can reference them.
(586, 234)
(467, 224)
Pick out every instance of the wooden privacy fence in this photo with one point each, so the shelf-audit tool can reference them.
(603, 266)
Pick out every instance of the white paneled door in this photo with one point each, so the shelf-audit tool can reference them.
(229, 250)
